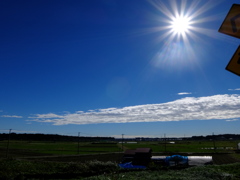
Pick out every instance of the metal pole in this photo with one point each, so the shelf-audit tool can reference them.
(122, 141)
(8, 142)
(214, 144)
(78, 141)
(165, 143)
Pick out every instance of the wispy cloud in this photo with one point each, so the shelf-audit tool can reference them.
(11, 116)
(237, 89)
(230, 120)
(184, 93)
(190, 108)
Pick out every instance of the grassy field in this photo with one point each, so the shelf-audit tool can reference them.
(39, 148)
(25, 148)
(188, 146)
(73, 160)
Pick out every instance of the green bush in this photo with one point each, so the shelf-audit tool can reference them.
(196, 173)
(11, 169)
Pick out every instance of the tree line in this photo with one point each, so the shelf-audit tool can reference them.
(50, 137)
(56, 137)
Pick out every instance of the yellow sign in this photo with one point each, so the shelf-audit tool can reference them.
(234, 64)
(231, 24)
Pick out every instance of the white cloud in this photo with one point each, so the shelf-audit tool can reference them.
(230, 120)
(11, 116)
(190, 108)
(237, 89)
(184, 93)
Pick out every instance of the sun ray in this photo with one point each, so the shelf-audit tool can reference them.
(180, 26)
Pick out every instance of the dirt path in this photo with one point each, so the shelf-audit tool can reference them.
(224, 159)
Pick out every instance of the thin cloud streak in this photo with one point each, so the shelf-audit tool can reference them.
(237, 89)
(231, 120)
(190, 108)
(184, 93)
(11, 116)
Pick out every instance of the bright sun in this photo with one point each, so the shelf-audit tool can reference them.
(180, 25)
(181, 19)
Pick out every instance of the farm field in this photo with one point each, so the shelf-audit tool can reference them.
(40, 148)
(223, 153)
(188, 146)
(38, 159)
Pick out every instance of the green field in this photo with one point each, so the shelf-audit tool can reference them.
(38, 148)
(18, 148)
(188, 146)
(73, 160)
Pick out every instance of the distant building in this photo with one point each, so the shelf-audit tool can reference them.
(139, 156)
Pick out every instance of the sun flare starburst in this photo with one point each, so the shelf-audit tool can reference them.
(180, 24)
(183, 19)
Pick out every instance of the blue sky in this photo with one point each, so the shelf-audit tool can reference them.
(112, 67)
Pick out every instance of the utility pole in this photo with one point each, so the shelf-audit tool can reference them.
(165, 143)
(214, 144)
(78, 141)
(8, 142)
(122, 141)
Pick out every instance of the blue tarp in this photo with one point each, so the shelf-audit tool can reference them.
(176, 159)
(129, 165)
(169, 161)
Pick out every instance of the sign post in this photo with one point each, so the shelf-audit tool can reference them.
(231, 27)
(234, 64)
(231, 24)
